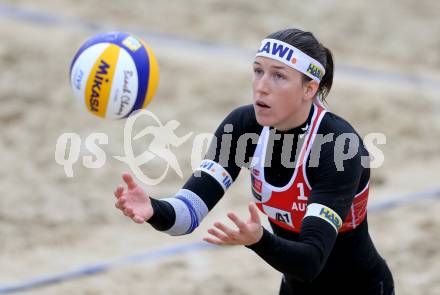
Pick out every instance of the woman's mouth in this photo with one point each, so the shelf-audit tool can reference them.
(261, 104)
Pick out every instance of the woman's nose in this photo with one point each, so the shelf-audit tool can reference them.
(261, 85)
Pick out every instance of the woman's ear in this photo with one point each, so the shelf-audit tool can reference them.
(310, 89)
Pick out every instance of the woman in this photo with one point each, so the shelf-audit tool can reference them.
(316, 204)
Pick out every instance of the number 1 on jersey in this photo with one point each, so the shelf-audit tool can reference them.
(302, 196)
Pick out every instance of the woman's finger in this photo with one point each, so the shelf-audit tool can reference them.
(122, 201)
(138, 219)
(120, 205)
(238, 222)
(129, 180)
(254, 213)
(218, 234)
(228, 231)
(118, 192)
(214, 241)
(128, 212)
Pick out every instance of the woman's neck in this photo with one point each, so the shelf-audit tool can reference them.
(299, 118)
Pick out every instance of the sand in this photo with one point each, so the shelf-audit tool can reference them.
(51, 224)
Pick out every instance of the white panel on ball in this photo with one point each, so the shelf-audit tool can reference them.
(125, 87)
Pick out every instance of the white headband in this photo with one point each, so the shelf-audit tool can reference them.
(292, 57)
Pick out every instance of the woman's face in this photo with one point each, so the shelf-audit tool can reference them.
(281, 99)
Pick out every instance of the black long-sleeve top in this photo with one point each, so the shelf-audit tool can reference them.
(316, 259)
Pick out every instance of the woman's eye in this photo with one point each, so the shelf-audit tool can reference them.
(279, 76)
(258, 71)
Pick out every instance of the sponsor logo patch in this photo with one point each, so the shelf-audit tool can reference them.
(325, 213)
(132, 43)
(331, 216)
(315, 71)
(217, 172)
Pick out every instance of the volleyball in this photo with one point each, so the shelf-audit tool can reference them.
(113, 74)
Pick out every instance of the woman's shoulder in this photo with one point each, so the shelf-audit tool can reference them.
(244, 111)
(341, 129)
(243, 118)
(333, 123)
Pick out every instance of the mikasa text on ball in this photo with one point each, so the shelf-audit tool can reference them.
(114, 74)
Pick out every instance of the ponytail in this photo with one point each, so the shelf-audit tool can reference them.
(327, 80)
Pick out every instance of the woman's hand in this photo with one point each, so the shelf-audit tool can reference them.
(248, 233)
(133, 202)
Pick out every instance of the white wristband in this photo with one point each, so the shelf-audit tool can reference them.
(218, 172)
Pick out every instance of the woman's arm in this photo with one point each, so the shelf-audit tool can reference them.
(182, 213)
(305, 258)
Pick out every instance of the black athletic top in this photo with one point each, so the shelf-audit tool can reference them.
(316, 260)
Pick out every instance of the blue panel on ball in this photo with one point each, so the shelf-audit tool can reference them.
(100, 38)
(142, 62)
